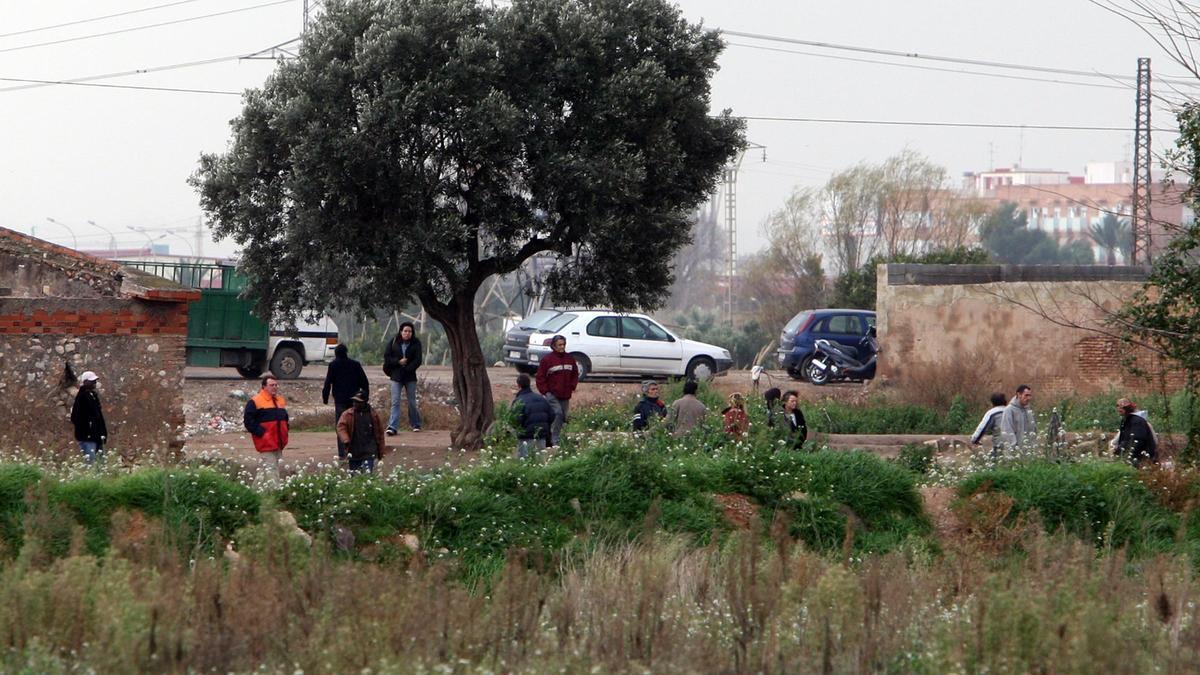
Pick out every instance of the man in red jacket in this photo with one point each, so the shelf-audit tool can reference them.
(557, 376)
(266, 419)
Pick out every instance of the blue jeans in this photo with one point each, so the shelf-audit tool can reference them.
(362, 465)
(560, 408)
(414, 416)
(91, 451)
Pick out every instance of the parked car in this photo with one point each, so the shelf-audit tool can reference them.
(612, 343)
(516, 340)
(797, 341)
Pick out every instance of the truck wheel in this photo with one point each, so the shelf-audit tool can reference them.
(286, 364)
(251, 372)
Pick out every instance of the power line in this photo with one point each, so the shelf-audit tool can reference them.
(945, 59)
(932, 68)
(106, 76)
(971, 125)
(144, 27)
(95, 18)
(119, 86)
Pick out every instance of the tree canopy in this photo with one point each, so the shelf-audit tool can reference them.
(417, 147)
(1007, 237)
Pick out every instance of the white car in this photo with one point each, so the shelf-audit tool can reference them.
(613, 343)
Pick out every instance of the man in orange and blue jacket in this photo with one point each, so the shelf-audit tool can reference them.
(266, 419)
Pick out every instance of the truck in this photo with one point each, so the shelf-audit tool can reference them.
(223, 331)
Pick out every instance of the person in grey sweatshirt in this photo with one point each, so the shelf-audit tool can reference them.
(1017, 425)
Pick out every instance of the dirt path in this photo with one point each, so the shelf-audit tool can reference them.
(412, 451)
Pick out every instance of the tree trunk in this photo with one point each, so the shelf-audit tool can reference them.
(471, 385)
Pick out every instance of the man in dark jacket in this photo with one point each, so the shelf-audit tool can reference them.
(361, 431)
(401, 358)
(1135, 441)
(88, 419)
(650, 407)
(344, 378)
(534, 416)
(557, 377)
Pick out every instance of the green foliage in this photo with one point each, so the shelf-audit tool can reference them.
(197, 506)
(855, 289)
(1096, 501)
(916, 457)
(743, 342)
(1007, 237)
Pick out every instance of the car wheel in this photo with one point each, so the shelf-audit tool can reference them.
(701, 369)
(585, 366)
(286, 364)
(801, 373)
(816, 375)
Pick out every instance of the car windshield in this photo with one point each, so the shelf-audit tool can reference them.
(557, 323)
(796, 322)
(538, 318)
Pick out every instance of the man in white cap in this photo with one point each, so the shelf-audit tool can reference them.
(88, 419)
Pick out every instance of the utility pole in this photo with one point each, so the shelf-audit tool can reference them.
(730, 179)
(1140, 206)
(199, 236)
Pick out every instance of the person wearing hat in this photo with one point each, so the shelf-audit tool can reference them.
(557, 376)
(88, 418)
(361, 430)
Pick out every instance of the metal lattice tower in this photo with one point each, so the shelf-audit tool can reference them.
(1141, 167)
(730, 179)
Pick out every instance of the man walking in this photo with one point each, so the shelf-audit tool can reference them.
(344, 378)
(989, 425)
(1135, 441)
(360, 429)
(88, 419)
(266, 419)
(1017, 425)
(557, 377)
(534, 417)
(401, 359)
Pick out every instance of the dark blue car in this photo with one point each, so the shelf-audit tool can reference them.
(799, 336)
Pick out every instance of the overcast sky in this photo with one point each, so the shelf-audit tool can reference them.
(121, 156)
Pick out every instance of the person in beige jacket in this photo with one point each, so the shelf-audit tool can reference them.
(688, 412)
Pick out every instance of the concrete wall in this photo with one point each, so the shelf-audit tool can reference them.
(137, 349)
(982, 325)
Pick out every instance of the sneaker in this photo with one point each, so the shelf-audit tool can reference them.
(391, 431)
(416, 428)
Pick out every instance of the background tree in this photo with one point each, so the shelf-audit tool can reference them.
(850, 204)
(415, 148)
(910, 185)
(1113, 234)
(699, 265)
(786, 277)
(1006, 236)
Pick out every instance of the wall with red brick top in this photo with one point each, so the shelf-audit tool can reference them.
(998, 331)
(136, 347)
(107, 316)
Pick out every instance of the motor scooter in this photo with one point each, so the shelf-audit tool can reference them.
(832, 362)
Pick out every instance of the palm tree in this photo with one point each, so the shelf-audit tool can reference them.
(1112, 234)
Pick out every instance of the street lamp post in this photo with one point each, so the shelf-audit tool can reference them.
(74, 240)
(112, 241)
(142, 231)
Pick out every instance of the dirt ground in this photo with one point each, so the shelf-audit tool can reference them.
(215, 397)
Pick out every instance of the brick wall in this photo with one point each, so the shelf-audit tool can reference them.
(137, 349)
(986, 322)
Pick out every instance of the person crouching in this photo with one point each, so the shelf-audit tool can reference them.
(362, 432)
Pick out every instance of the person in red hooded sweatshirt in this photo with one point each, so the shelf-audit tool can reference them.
(266, 419)
(557, 377)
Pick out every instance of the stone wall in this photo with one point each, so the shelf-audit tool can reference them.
(992, 327)
(135, 346)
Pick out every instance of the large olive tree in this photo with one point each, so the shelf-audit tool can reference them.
(415, 148)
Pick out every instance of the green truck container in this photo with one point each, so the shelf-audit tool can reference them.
(224, 332)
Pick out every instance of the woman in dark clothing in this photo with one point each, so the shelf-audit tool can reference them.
(771, 398)
(649, 407)
(88, 419)
(401, 359)
(797, 427)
